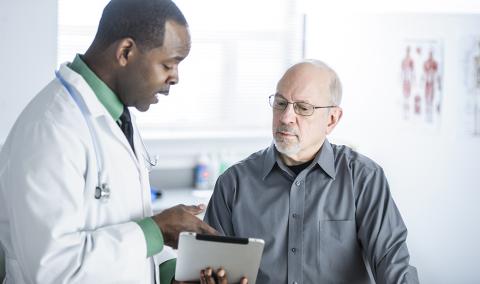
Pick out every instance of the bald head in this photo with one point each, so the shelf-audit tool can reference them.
(312, 72)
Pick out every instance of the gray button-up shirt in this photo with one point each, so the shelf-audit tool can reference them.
(325, 225)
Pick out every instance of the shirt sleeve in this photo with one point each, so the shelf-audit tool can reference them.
(167, 271)
(381, 231)
(219, 210)
(153, 236)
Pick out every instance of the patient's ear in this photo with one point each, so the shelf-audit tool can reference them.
(334, 116)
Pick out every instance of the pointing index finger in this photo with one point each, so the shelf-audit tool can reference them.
(206, 229)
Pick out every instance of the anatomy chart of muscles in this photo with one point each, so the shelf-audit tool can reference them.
(421, 69)
(472, 82)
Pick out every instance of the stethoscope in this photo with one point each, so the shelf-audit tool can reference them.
(102, 190)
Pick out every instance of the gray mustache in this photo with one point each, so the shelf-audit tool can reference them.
(287, 130)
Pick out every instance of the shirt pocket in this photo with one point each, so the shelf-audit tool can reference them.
(339, 255)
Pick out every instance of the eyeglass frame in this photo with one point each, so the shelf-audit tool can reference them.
(270, 102)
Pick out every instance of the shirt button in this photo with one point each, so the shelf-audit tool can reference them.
(294, 250)
(294, 215)
(298, 183)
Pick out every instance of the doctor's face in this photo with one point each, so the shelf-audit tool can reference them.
(153, 71)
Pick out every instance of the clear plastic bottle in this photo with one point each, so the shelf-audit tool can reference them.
(224, 162)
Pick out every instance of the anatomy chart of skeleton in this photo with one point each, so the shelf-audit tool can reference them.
(472, 61)
(421, 68)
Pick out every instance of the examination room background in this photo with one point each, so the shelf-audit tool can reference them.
(432, 168)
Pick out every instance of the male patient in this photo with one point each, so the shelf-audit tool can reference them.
(324, 211)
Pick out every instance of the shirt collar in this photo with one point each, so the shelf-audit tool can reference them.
(269, 161)
(324, 158)
(104, 94)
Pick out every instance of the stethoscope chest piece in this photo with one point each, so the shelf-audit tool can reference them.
(102, 192)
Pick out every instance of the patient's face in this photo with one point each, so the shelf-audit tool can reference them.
(296, 136)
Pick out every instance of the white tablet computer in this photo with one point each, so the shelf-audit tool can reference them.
(240, 257)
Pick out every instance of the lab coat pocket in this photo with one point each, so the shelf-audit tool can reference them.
(338, 249)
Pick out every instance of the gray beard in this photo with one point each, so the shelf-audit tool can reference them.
(288, 151)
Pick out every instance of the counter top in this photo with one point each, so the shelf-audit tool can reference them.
(186, 196)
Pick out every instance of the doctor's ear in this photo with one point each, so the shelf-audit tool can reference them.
(125, 49)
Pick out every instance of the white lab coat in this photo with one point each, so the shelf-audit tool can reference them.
(52, 228)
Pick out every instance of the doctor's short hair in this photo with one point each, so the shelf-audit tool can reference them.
(141, 20)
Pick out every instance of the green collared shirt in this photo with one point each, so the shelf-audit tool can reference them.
(104, 94)
(153, 235)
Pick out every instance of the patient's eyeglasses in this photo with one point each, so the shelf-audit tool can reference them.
(301, 108)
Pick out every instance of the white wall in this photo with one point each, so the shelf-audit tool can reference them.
(27, 54)
(433, 172)
(433, 175)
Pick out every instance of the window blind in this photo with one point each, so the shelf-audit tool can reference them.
(239, 51)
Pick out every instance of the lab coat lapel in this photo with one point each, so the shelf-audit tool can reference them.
(142, 156)
(109, 125)
(99, 113)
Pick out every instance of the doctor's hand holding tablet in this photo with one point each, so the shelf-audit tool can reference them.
(240, 256)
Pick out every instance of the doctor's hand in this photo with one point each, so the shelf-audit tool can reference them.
(181, 218)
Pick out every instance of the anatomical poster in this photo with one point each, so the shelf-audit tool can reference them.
(472, 84)
(421, 69)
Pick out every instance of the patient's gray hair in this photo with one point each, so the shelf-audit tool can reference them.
(335, 84)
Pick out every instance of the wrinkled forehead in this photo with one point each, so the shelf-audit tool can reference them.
(305, 81)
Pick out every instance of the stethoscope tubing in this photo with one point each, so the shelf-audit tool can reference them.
(102, 190)
(87, 116)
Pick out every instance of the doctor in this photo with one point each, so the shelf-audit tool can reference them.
(74, 189)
